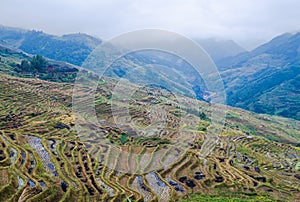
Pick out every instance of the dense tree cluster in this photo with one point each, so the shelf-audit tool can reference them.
(36, 64)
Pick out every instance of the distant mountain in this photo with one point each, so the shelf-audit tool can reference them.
(267, 79)
(285, 46)
(219, 49)
(72, 48)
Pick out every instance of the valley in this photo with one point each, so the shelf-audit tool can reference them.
(156, 142)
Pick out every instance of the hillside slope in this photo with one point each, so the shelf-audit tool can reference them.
(18, 63)
(71, 48)
(43, 158)
(266, 80)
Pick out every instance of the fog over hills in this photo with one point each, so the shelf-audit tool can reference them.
(265, 80)
(149, 101)
(219, 49)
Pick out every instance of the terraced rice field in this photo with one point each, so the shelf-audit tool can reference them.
(43, 158)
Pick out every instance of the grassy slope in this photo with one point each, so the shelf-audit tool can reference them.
(31, 107)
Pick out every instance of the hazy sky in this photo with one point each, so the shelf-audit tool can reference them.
(248, 22)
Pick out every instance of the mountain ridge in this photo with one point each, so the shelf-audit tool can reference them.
(255, 72)
(72, 48)
(268, 64)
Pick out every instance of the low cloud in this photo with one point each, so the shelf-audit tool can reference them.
(247, 22)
